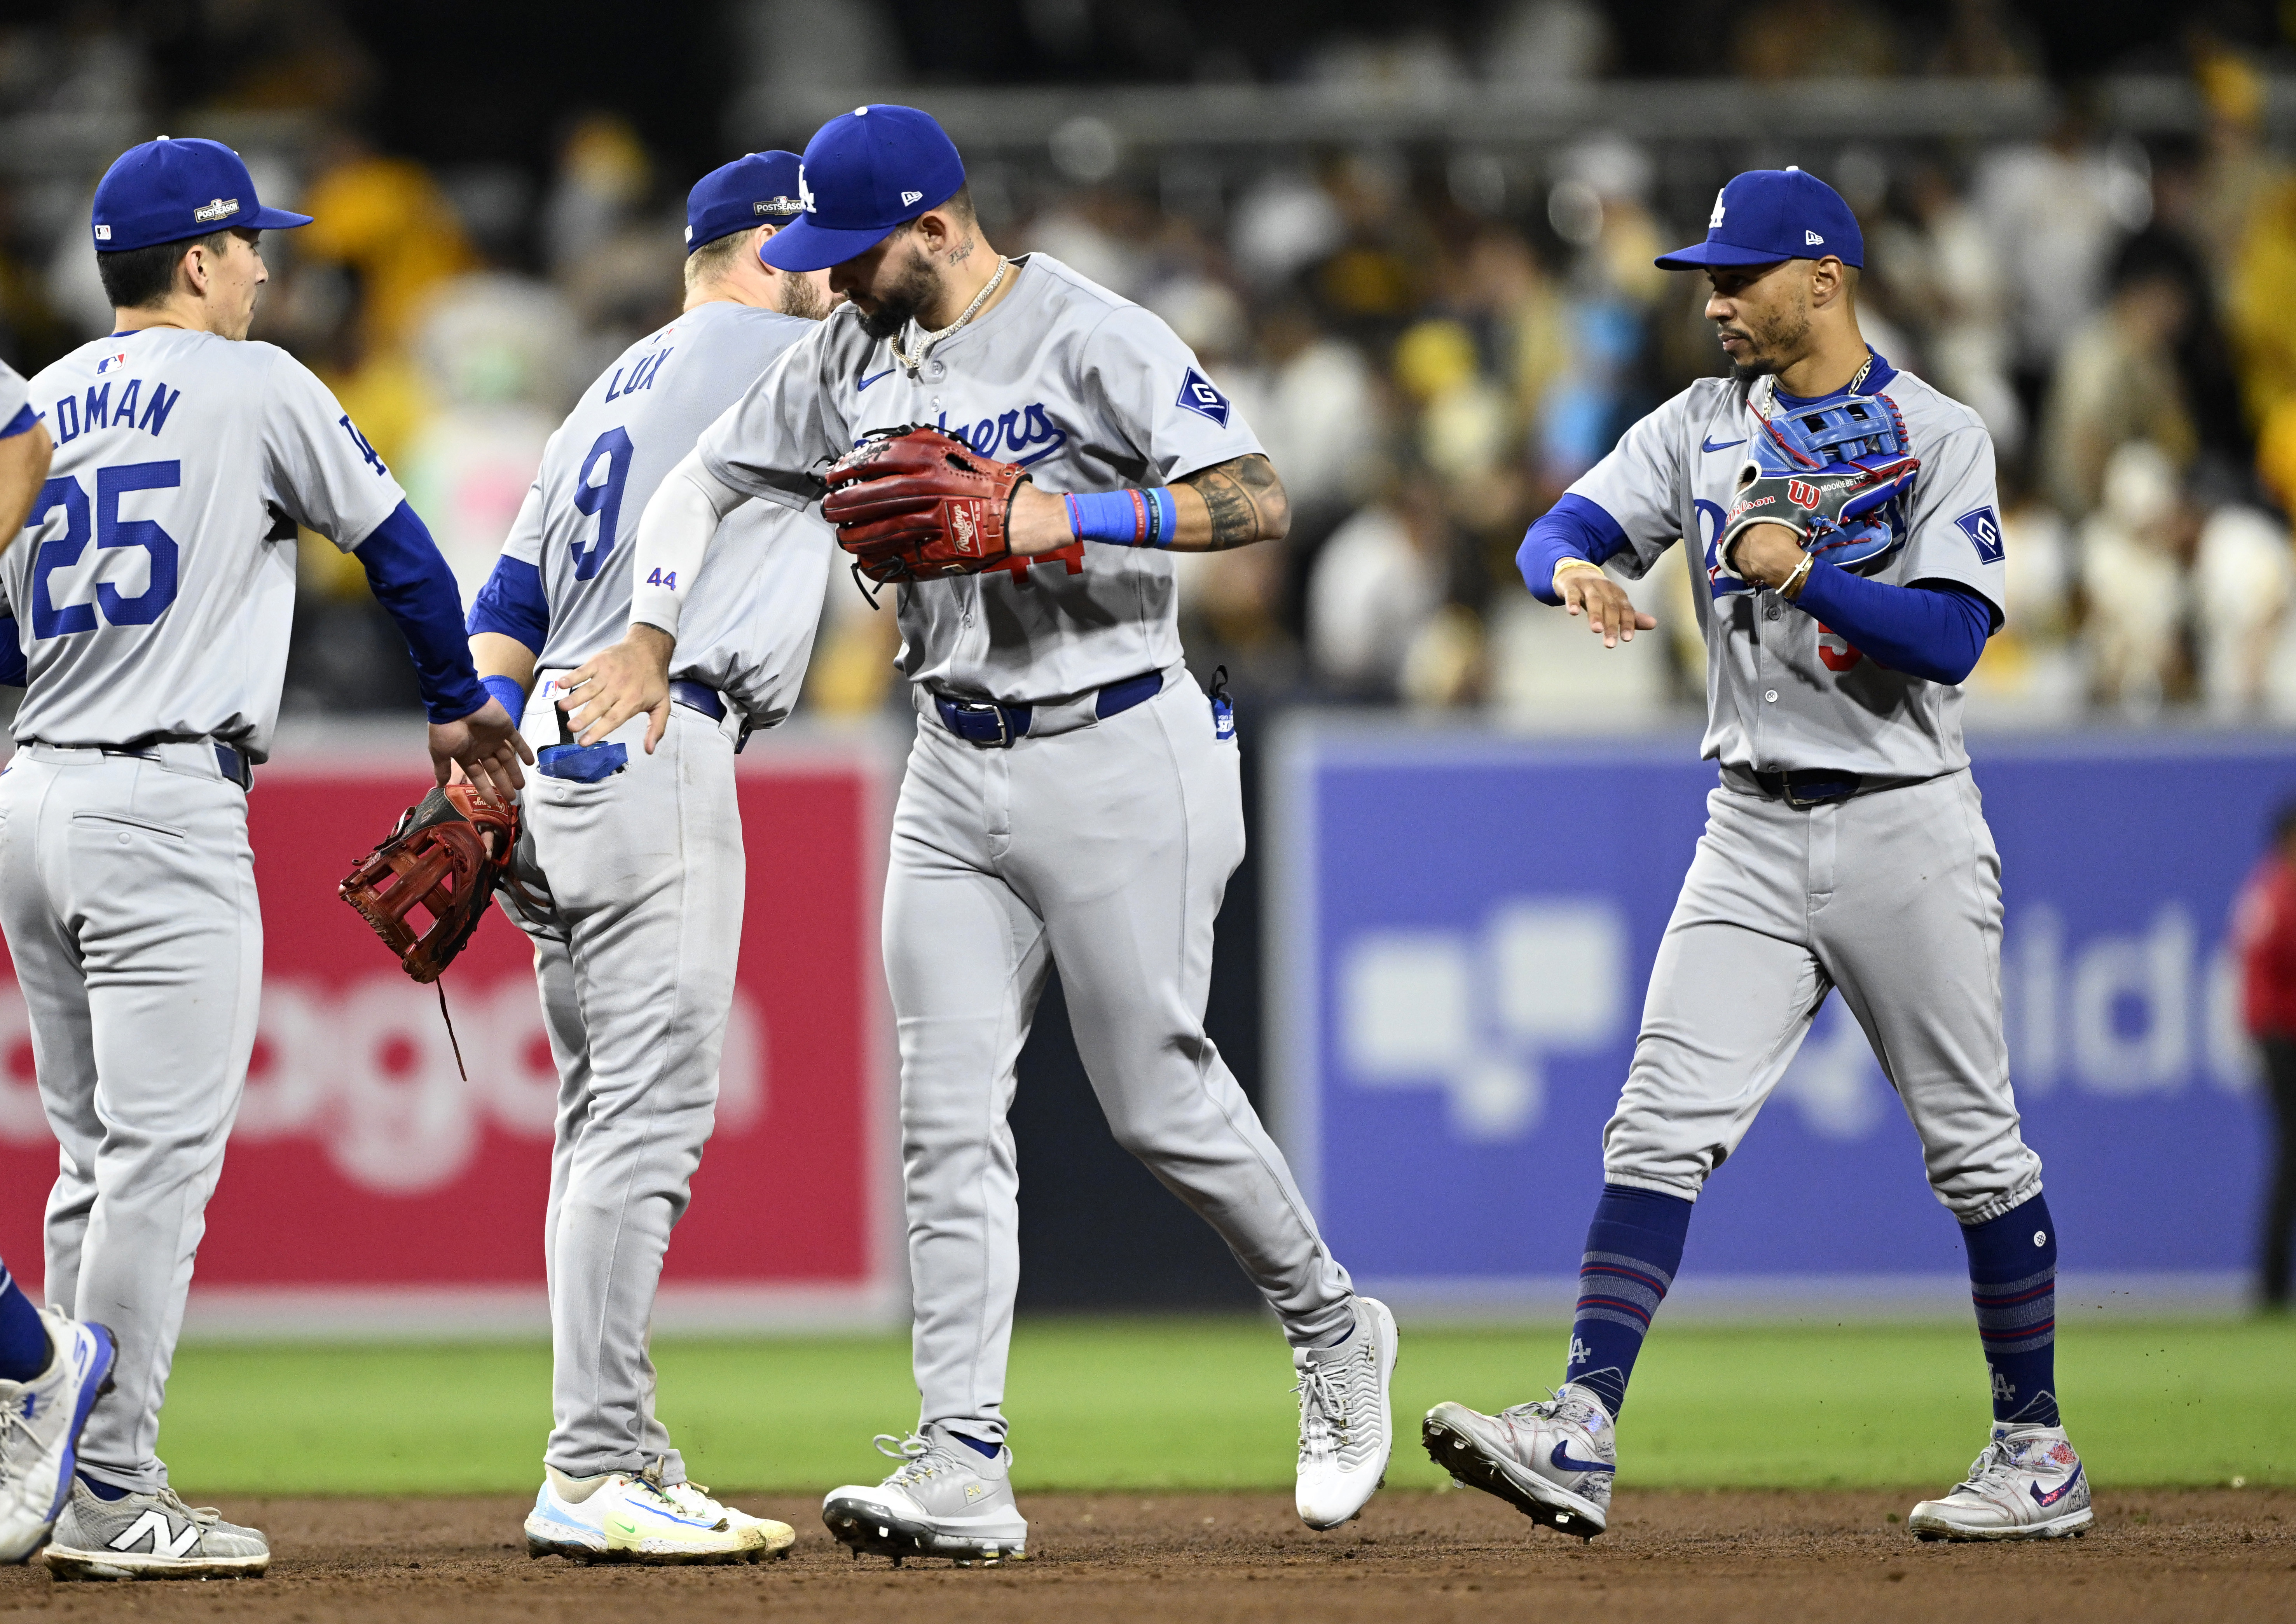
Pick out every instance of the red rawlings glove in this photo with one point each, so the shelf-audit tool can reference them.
(914, 503)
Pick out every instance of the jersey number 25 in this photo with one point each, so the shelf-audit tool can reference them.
(110, 531)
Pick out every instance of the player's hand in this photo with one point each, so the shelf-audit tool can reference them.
(1610, 614)
(1036, 522)
(618, 683)
(488, 746)
(1766, 554)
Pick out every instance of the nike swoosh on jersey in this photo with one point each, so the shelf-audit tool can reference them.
(1708, 444)
(864, 383)
(1559, 1456)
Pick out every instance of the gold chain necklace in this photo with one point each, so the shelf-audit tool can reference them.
(926, 341)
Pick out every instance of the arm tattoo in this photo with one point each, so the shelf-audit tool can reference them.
(1236, 493)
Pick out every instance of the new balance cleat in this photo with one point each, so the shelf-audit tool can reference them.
(1553, 1461)
(40, 1424)
(944, 1499)
(1347, 1431)
(627, 1516)
(2028, 1485)
(150, 1535)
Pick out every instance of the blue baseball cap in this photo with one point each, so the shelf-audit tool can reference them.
(166, 190)
(1765, 216)
(865, 172)
(759, 190)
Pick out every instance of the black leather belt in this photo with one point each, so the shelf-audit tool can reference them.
(1812, 787)
(699, 696)
(994, 726)
(230, 761)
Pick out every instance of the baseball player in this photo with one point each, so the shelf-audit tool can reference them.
(1849, 573)
(638, 856)
(50, 1366)
(152, 591)
(1071, 798)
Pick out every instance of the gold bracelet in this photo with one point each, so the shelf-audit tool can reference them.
(1785, 587)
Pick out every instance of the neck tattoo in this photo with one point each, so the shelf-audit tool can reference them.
(926, 341)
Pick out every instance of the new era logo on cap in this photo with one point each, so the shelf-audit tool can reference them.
(910, 197)
(1809, 238)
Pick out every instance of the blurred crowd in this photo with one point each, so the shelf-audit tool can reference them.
(1432, 345)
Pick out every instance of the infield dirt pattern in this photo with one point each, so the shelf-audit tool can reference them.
(2214, 1555)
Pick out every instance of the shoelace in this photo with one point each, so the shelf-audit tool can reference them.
(1322, 1416)
(15, 1423)
(923, 1459)
(1331, 1400)
(1991, 1470)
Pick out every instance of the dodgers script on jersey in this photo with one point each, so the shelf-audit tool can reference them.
(154, 586)
(749, 630)
(1783, 693)
(1085, 388)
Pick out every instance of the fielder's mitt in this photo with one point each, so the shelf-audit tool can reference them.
(1833, 472)
(447, 856)
(914, 503)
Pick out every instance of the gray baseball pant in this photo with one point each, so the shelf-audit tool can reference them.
(635, 960)
(127, 893)
(1103, 850)
(1895, 898)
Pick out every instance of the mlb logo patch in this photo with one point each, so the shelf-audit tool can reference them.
(1198, 396)
(1983, 528)
(108, 362)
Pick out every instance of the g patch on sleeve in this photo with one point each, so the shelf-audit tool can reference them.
(1984, 532)
(1198, 396)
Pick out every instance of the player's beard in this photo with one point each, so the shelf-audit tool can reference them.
(911, 291)
(1777, 343)
(802, 297)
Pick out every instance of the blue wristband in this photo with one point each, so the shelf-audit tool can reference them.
(513, 696)
(1125, 518)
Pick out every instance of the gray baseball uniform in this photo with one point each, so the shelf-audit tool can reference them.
(643, 869)
(1099, 843)
(1893, 896)
(154, 586)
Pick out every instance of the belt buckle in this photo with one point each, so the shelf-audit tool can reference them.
(1846, 787)
(1004, 739)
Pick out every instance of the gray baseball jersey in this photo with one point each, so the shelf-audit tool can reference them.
(155, 588)
(753, 610)
(1781, 692)
(1087, 390)
(15, 394)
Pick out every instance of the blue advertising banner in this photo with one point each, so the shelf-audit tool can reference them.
(1463, 925)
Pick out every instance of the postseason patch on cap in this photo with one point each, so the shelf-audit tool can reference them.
(780, 207)
(219, 209)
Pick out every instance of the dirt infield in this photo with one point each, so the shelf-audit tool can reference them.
(2218, 1555)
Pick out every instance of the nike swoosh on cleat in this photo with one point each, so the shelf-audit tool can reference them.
(865, 382)
(2056, 1494)
(1563, 1463)
(1703, 445)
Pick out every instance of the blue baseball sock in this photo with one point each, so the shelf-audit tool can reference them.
(2013, 1280)
(1633, 1248)
(24, 1349)
(986, 1451)
(101, 1491)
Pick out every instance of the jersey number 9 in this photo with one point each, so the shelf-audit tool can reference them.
(110, 531)
(603, 499)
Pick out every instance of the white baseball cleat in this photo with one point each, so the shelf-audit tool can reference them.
(944, 1499)
(627, 1516)
(150, 1535)
(2028, 1485)
(40, 1423)
(1553, 1461)
(1346, 1432)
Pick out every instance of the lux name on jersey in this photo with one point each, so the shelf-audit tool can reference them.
(70, 416)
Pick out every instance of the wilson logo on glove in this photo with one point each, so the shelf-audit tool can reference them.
(1802, 494)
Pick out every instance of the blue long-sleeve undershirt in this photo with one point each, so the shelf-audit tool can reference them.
(1931, 629)
(1573, 528)
(414, 586)
(512, 603)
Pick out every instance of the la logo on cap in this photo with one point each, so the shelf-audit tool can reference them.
(1714, 221)
(804, 192)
